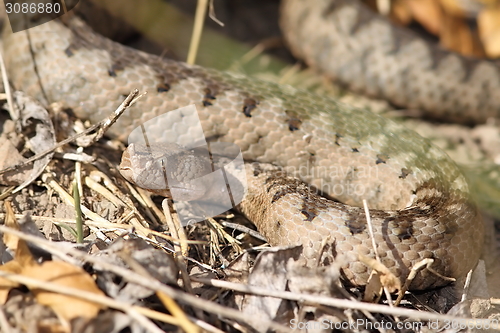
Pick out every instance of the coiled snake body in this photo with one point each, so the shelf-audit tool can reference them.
(419, 200)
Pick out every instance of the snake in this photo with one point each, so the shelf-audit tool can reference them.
(368, 54)
(311, 160)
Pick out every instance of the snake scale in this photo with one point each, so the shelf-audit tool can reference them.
(419, 201)
(345, 40)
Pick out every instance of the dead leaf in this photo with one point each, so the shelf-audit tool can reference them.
(67, 275)
(42, 138)
(489, 30)
(400, 12)
(51, 327)
(10, 156)
(5, 284)
(447, 20)
(135, 251)
(373, 289)
(428, 13)
(22, 253)
(22, 259)
(453, 7)
(270, 272)
(58, 272)
(11, 222)
(36, 125)
(456, 36)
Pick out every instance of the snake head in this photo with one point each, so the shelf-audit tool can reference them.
(168, 170)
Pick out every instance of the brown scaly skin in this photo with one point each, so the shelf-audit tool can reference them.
(420, 202)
